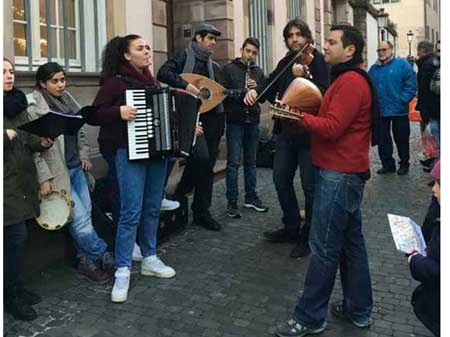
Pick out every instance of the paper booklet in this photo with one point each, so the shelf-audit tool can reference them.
(407, 234)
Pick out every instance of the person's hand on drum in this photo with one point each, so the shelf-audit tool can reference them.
(128, 113)
(11, 134)
(86, 164)
(46, 187)
(46, 142)
(250, 97)
(199, 129)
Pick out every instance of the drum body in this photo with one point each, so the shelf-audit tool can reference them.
(56, 210)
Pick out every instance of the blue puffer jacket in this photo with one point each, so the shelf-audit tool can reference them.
(396, 86)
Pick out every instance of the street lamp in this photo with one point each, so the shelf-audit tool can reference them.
(409, 37)
(382, 20)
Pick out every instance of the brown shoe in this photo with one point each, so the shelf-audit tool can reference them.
(92, 271)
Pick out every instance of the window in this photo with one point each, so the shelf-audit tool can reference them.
(54, 30)
(377, 2)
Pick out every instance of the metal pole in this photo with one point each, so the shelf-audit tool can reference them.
(409, 42)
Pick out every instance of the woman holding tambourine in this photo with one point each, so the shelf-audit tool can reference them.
(61, 168)
(20, 196)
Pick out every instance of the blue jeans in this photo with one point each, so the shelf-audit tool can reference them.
(336, 240)
(435, 128)
(86, 241)
(241, 137)
(141, 186)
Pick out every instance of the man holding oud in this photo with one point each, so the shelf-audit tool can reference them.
(242, 127)
(199, 171)
(293, 145)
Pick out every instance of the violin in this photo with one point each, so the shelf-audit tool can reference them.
(304, 56)
(305, 59)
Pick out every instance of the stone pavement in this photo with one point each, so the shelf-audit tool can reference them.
(232, 283)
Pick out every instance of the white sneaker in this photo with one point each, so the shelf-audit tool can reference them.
(119, 291)
(153, 266)
(169, 205)
(137, 254)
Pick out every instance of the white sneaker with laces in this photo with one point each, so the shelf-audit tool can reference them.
(119, 291)
(153, 266)
(137, 254)
(169, 205)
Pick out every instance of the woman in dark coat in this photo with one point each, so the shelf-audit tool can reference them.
(426, 269)
(20, 196)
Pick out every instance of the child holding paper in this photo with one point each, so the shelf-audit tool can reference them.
(426, 269)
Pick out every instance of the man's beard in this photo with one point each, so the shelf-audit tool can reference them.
(296, 47)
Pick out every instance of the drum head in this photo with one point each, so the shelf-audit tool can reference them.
(56, 211)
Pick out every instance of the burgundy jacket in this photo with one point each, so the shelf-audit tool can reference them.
(109, 99)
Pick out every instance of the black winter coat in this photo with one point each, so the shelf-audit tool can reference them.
(20, 184)
(320, 72)
(234, 75)
(428, 103)
(426, 297)
(169, 73)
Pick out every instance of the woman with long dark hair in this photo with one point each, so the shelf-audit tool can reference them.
(63, 166)
(20, 196)
(125, 63)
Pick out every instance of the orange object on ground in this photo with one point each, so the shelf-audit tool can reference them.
(413, 114)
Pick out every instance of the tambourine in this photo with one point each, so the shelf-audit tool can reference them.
(56, 210)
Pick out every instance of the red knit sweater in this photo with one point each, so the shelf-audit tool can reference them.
(341, 131)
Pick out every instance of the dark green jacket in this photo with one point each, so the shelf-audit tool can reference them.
(20, 185)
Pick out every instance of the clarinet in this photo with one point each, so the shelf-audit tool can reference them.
(247, 77)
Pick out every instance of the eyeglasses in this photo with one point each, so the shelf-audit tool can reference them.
(382, 50)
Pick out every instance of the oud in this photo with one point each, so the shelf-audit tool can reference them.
(211, 92)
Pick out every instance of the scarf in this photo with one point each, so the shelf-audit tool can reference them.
(65, 103)
(145, 77)
(353, 65)
(196, 51)
(14, 102)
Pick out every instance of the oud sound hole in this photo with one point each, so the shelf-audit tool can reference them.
(205, 93)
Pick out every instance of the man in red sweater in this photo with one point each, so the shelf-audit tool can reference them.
(341, 135)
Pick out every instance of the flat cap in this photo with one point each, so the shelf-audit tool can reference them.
(206, 27)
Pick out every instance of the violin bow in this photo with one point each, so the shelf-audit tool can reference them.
(283, 70)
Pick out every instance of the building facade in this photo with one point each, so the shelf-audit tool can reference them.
(422, 17)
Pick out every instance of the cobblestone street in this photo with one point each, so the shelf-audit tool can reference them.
(234, 284)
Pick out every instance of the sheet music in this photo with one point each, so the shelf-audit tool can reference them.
(407, 234)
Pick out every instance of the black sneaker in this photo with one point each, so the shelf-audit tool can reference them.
(232, 210)
(292, 328)
(300, 250)
(279, 235)
(256, 204)
(338, 311)
(403, 170)
(206, 221)
(386, 170)
(92, 271)
(18, 308)
(28, 296)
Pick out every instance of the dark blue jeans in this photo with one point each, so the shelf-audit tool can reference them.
(336, 240)
(289, 156)
(400, 131)
(241, 138)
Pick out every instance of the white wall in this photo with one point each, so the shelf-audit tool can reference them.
(372, 39)
(138, 19)
(279, 49)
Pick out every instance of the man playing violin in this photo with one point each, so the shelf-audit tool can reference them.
(293, 145)
(199, 172)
